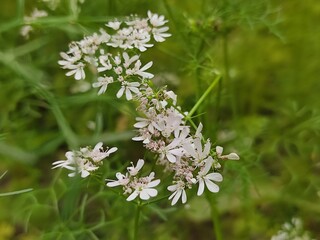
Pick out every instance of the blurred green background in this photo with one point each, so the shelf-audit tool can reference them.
(266, 109)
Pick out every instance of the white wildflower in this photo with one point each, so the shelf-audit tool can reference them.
(84, 161)
(178, 191)
(77, 71)
(114, 25)
(103, 82)
(144, 188)
(194, 149)
(134, 170)
(128, 88)
(160, 34)
(156, 20)
(206, 179)
(123, 180)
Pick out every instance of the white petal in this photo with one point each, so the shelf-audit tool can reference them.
(147, 66)
(177, 152)
(217, 177)
(71, 174)
(233, 156)
(172, 188)
(154, 183)
(176, 197)
(199, 129)
(112, 150)
(141, 124)
(132, 196)
(171, 157)
(189, 149)
(113, 184)
(84, 173)
(208, 165)
(211, 186)
(207, 147)
(128, 94)
(120, 92)
(198, 145)
(144, 194)
(184, 196)
(152, 192)
(219, 150)
(201, 187)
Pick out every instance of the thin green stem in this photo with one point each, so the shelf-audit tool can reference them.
(15, 192)
(203, 97)
(136, 221)
(215, 218)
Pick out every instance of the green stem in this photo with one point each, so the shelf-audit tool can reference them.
(203, 97)
(215, 218)
(136, 222)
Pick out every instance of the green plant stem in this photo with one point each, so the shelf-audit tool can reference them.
(203, 97)
(136, 221)
(215, 218)
(15, 192)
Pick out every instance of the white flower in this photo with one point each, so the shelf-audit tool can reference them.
(145, 136)
(156, 20)
(128, 88)
(123, 180)
(205, 179)
(172, 151)
(178, 191)
(114, 25)
(84, 161)
(141, 71)
(150, 123)
(195, 149)
(105, 62)
(230, 156)
(145, 190)
(142, 44)
(171, 95)
(77, 71)
(103, 82)
(134, 170)
(76, 163)
(97, 153)
(128, 61)
(160, 34)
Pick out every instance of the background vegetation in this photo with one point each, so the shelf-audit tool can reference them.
(266, 109)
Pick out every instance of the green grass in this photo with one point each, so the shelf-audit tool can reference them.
(265, 107)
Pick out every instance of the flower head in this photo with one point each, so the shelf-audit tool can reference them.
(84, 161)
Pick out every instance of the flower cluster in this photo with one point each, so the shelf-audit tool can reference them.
(292, 231)
(134, 33)
(162, 126)
(84, 161)
(26, 29)
(164, 131)
(121, 68)
(134, 186)
(138, 32)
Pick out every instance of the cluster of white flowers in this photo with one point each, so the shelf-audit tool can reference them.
(292, 231)
(84, 161)
(142, 186)
(134, 33)
(162, 126)
(163, 130)
(26, 29)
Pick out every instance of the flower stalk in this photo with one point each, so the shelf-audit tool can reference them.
(203, 97)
